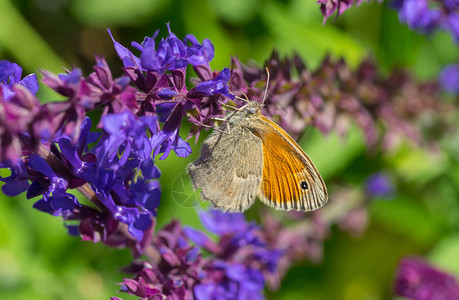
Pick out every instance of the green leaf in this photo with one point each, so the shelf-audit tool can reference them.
(409, 218)
(119, 12)
(308, 37)
(444, 255)
(332, 154)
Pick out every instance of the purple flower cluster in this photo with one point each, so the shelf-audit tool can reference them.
(50, 149)
(165, 93)
(122, 196)
(418, 280)
(328, 7)
(235, 266)
(428, 15)
(244, 257)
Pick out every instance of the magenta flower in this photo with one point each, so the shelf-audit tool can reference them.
(328, 7)
(419, 280)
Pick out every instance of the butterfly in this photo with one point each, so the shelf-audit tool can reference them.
(251, 156)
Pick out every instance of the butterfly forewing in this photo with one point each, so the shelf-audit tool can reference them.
(290, 179)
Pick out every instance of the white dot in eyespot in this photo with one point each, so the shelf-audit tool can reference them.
(304, 185)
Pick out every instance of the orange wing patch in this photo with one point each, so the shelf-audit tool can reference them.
(290, 180)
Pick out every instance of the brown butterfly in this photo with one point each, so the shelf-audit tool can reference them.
(250, 157)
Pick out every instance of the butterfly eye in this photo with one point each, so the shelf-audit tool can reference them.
(304, 185)
(251, 110)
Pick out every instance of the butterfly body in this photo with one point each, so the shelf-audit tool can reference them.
(250, 157)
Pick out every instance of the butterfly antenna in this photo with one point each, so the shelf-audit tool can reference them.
(237, 97)
(267, 85)
(227, 105)
(240, 98)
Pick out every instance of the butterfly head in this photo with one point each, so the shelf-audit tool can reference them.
(253, 108)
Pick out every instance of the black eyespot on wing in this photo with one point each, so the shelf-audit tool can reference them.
(304, 185)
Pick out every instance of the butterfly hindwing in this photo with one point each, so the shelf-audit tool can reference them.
(229, 170)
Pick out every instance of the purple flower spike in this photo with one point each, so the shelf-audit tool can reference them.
(418, 280)
(200, 55)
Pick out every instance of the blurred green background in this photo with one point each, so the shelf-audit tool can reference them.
(38, 260)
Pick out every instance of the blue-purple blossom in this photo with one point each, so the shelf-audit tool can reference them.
(449, 78)
(166, 141)
(417, 14)
(170, 53)
(56, 200)
(428, 15)
(418, 280)
(126, 136)
(10, 74)
(199, 54)
(220, 223)
(235, 228)
(230, 281)
(123, 148)
(451, 4)
(83, 163)
(218, 85)
(18, 181)
(379, 185)
(6, 69)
